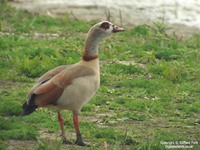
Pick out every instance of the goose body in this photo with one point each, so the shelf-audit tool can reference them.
(82, 89)
(71, 86)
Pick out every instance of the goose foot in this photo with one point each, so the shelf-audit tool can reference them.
(79, 140)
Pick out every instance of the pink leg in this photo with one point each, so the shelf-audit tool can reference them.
(60, 119)
(76, 124)
(79, 140)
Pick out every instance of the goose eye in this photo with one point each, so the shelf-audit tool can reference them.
(105, 25)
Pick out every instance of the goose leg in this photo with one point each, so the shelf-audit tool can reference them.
(61, 121)
(79, 139)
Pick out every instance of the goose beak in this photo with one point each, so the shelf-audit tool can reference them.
(117, 29)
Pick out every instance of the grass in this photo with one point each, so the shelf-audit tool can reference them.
(138, 106)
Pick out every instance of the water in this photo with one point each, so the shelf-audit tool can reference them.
(183, 15)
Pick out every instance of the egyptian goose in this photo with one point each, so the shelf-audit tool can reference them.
(71, 86)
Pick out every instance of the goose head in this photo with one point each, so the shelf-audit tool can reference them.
(104, 28)
(96, 33)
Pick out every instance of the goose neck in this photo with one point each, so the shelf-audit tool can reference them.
(90, 51)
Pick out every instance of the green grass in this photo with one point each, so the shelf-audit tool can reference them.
(138, 106)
